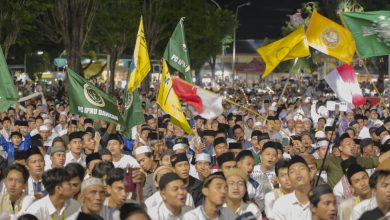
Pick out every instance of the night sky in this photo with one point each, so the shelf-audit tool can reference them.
(263, 18)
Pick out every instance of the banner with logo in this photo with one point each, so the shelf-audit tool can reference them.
(8, 93)
(88, 101)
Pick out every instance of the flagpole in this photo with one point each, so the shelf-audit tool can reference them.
(288, 79)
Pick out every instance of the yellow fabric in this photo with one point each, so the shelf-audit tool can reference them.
(141, 66)
(290, 47)
(169, 102)
(330, 38)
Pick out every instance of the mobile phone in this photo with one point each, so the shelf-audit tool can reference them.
(130, 186)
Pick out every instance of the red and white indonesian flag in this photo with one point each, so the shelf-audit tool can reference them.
(343, 82)
(207, 104)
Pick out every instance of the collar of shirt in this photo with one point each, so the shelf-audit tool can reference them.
(52, 210)
(295, 201)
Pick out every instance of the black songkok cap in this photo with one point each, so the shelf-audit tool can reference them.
(256, 133)
(353, 169)
(88, 121)
(166, 179)
(345, 164)
(16, 133)
(32, 151)
(296, 159)
(236, 127)
(219, 140)
(329, 128)
(75, 135)
(235, 145)
(225, 157)
(182, 140)
(117, 137)
(344, 136)
(20, 155)
(208, 133)
(317, 192)
(273, 144)
(263, 136)
(91, 157)
(176, 158)
(379, 130)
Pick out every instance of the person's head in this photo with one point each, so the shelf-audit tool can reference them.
(165, 159)
(208, 136)
(16, 181)
(44, 131)
(106, 155)
(16, 138)
(330, 133)
(321, 123)
(102, 169)
(359, 180)
(159, 172)
(27, 217)
(203, 165)
(133, 211)
(116, 186)
(215, 189)
(281, 171)
(220, 146)
(380, 183)
(87, 140)
(299, 173)
(57, 182)
(115, 144)
(236, 181)
(306, 140)
(347, 146)
(77, 173)
(35, 163)
(245, 162)
(75, 145)
(91, 160)
(367, 147)
(381, 132)
(322, 145)
(145, 131)
(181, 165)
(311, 163)
(145, 158)
(269, 154)
(226, 161)
(173, 190)
(92, 195)
(299, 128)
(323, 203)
(235, 148)
(58, 156)
(238, 133)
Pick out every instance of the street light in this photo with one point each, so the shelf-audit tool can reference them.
(234, 42)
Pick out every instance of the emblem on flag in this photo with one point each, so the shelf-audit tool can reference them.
(330, 37)
(92, 96)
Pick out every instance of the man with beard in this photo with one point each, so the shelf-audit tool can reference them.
(322, 203)
(215, 192)
(174, 195)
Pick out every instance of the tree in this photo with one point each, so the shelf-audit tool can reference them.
(117, 28)
(17, 16)
(69, 22)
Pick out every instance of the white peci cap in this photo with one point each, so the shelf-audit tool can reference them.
(43, 128)
(203, 157)
(142, 150)
(320, 134)
(178, 147)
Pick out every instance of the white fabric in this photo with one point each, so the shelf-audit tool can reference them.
(288, 207)
(70, 159)
(362, 207)
(156, 199)
(126, 161)
(161, 212)
(30, 186)
(203, 157)
(211, 102)
(197, 214)
(43, 209)
(142, 150)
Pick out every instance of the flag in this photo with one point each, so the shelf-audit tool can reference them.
(140, 64)
(343, 82)
(169, 102)
(87, 100)
(207, 104)
(290, 47)
(133, 113)
(176, 52)
(330, 38)
(370, 31)
(8, 92)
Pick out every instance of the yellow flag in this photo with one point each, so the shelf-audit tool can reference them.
(290, 47)
(330, 38)
(169, 102)
(140, 64)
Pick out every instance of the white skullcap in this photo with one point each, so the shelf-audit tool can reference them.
(47, 121)
(272, 108)
(142, 150)
(323, 143)
(320, 134)
(203, 157)
(43, 128)
(178, 147)
(64, 114)
(257, 123)
(90, 182)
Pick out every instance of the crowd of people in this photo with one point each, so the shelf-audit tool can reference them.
(270, 157)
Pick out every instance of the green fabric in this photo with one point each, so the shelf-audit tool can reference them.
(89, 101)
(333, 169)
(8, 92)
(176, 52)
(369, 31)
(134, 114)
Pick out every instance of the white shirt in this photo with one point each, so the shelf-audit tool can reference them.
(362, 207)
(126, 161)
(30, 186)
(156, 199)
(364, 133)
(70, 159)
(247, 207)
(199, 214)
(48, 162)
(60, 130)
(44, 209)
(193, 171)
(5, 134)
(288, 207)
(269, 201)
(161, 212)
(20, 206)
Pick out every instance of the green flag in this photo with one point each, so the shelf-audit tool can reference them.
(176, 52)
(89, 101)
(8, 93)
(133, 114)
(370, 31)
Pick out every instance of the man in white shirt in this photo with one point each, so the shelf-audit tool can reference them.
(35, 164)
(59, 203)
(62, 127)
(174, 196)
(75, 154)
(115, 146)
(295, 205)
(57, 157)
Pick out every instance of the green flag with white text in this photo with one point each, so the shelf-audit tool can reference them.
(133, 113)
(176, 52)
(370, 31)
(89, 101)
(8, 92)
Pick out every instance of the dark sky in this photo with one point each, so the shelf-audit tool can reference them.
(263, 18)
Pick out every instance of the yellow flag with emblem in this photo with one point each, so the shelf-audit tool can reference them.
(140, 64)
(290, 47)
(330, 38)
(169, 102)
